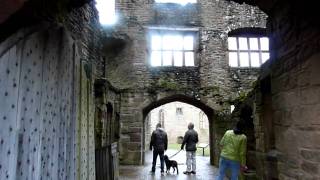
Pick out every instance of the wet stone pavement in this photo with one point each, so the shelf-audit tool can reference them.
(205, 171)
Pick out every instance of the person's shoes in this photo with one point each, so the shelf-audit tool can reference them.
(152, 171)
(193, 172)
(186, 172)
(162, 173)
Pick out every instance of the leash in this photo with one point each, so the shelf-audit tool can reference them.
(175, 154)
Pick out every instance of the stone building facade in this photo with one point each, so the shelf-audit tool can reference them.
(209, 85)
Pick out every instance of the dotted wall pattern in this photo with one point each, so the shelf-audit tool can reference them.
(85, 158)
(67, 125)
(91, 140)
(83, 125)
(29, 109)
(86, 130)
(40, 84)
(9, 81)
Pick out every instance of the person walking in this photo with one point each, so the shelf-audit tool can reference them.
(159, 143)
(190, 139)
(233, 152)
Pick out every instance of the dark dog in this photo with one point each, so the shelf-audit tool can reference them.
(171, 163)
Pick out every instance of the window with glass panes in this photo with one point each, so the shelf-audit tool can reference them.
(248, 51)
(172, 49)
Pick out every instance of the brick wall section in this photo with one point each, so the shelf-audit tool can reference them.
(84, 26)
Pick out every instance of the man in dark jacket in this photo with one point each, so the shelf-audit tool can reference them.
(159, 142)
(190, 140)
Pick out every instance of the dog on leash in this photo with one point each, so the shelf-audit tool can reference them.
(171, 163)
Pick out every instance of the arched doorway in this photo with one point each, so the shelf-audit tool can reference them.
(206, 110)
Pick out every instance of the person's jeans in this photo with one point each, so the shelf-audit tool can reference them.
(154, 161)
(191, 161)
(225, 164)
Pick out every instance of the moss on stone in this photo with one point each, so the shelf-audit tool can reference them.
(240, 99)
(168, 84)
(214, 90)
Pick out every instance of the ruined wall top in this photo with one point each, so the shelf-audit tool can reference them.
(211, 21)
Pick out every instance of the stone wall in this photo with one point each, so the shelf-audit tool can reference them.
(286, 103)
(84, 26)
(210, 82)
(295, 90)
(285, 115)
(255, 110)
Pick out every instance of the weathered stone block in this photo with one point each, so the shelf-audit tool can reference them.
(306, 116)
(131, 158)
(277, 84)
(134, 130)
(125, 118)
(310, 155)
(278, 116)
(134, 146)
(312, 168)
(287, 172)
(308, 139)
(310, 95)
(131, 130)
(315, 64)
(304, 78)
(135, 137)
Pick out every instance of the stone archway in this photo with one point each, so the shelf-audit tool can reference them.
(209, 112)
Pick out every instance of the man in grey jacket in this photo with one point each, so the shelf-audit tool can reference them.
(190, 140)
(159, 142)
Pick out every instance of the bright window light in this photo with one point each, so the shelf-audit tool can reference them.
(168, 42)
(156, 42)
(265, 57)
(232, 43)
(177, 42)
(107, 12)
(243, 44)
(264, 43)
(255, 60)
(254, 43)
(244, 60)
(232, 108)
(178, 59)
(189, 59)
(248, 51)
(167, 58)
(156, 58)
(188, 42)
(233, 59)
(182, 2)
(172, 49)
